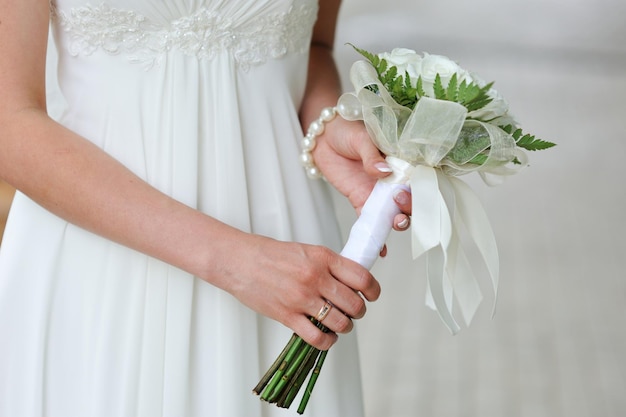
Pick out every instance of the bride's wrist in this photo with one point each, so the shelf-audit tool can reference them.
(309, 142)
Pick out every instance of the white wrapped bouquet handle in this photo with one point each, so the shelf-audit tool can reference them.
(370, 231)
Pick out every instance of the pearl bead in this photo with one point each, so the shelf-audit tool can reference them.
(350, 112)
(306, 159)
(328, 114)
(314, 173)
(316, 128)
(309, 142)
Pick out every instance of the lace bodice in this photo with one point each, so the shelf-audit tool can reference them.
(203, 34)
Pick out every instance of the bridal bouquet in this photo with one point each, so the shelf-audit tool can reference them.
(434, 121)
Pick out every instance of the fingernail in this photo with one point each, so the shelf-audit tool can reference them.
(404, 223)
(401, 197)
(383, 167)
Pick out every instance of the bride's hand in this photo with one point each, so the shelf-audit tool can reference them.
(290, 282)
(352, 164)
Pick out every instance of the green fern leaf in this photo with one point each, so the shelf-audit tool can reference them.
(440, 92)
(373, 88)
(475, 97)
(478, 104)
(412, 92)
(390, 75)
(478, 93)
(462, 91)
(479, 159)
(452, 92)
(420, 87)
(530, 143)
(374, 59)
(470, 93)
(526, 141)
(381, 66)
(507, 128)
(407, 81)
(485, 90)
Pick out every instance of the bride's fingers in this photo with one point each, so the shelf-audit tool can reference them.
(346, 299)
(401, 222)
(402, 199)
(373, 161)
(311, 334)
(356, 144)
(333, 318)
(350, 278)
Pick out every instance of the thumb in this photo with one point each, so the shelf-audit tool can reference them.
(374, 162)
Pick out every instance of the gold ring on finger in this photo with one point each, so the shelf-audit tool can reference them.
(324, 311)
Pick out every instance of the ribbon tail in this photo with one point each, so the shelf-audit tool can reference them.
(472, 214)
(432, 234)
(426, 210)
(440, 291)
(464, 283)
(465, 286)
(441, 206)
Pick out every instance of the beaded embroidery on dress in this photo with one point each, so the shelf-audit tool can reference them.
(97, 329)
(203, 33)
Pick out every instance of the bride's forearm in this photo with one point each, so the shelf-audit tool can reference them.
(77, 181)
(323, 82)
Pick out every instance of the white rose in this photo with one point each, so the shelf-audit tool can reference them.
(405, 60)
(432, 65)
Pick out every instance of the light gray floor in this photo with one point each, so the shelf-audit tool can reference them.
(557, 343)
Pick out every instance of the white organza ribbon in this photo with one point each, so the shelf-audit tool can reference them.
(427, 148)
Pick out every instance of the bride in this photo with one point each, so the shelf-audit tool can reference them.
(164, 240)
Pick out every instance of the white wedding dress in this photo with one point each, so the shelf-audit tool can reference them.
(199, 98)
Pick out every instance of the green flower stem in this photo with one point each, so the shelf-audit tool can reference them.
(289, 373)
(292, 389)
(284, 379)
(279, 360)
(312, 381)
(291, 353)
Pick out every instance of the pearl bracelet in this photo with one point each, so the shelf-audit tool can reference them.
(316, 128)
